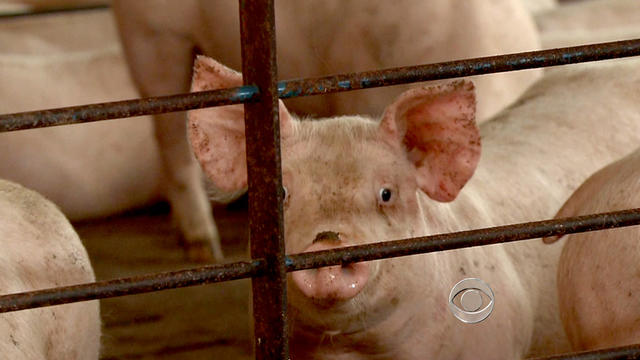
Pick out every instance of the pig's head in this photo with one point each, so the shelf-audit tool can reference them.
(348, 180)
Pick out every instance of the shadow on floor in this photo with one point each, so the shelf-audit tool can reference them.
(209, 321)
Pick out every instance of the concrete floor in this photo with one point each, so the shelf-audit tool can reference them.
(200, 322)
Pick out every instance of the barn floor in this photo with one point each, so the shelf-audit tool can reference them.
(201, 322)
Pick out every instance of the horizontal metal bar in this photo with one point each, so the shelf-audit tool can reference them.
(459, 68)
(132, 285)
(617, 353)
(464, 239)
(240, 270)
(52, 10)
(126, 108)
(321, 85)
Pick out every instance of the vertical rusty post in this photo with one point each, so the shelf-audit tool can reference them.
(262, 128)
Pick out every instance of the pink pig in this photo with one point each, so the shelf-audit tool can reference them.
(41, 250)
(598, 281)
(353, 180)
(160, 37)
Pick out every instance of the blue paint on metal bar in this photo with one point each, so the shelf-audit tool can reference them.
(569, 56)
(322, 85)
(246, 92)
(344, 84)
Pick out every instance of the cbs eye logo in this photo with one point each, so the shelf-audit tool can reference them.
(466, 299)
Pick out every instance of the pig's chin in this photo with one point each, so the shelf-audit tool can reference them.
(339, 314)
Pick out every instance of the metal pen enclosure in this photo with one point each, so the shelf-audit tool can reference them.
(269, 263)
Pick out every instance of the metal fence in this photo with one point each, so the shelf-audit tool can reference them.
(269, 265)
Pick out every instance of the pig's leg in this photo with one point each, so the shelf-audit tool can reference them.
(161, 65)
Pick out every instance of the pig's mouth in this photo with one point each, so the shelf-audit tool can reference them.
(339, 298)
(329, 285)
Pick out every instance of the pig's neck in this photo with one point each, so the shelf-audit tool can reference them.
(391, 319)
(528, 168)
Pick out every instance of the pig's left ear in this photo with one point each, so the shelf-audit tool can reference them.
(436, 126)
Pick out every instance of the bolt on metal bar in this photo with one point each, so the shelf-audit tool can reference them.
(321, 85)
(617, 353)
(266, 229)
(294, 262)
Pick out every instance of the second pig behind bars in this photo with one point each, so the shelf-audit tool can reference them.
(425, 167)
(39, 249)
(598, 282)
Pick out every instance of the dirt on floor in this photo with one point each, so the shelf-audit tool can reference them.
(199, 322)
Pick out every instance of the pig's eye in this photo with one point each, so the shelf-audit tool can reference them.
(285, 196)
(385, 195)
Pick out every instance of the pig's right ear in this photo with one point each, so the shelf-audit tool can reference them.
(436, 126)
(217, 134)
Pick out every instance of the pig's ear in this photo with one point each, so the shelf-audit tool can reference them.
(436, 126)
(217, 134)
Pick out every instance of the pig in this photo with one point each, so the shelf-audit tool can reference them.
(592, 21)
(40, 249)
(598, 282)
(27, 6)
(160, 38)
(91, 170)
(417, 170)
(540, 6)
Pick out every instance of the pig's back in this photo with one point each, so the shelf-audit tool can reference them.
(536, 153)
(41, 250)
(599, 270)
(334, 36)
(573, 122)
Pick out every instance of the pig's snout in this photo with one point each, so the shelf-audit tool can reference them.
(339, 282)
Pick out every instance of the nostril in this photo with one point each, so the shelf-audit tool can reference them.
(327, 236)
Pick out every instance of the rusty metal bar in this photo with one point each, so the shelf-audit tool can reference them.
(464, 239)
(617, 353)
(322, 85)
(129, 286)
(257, 267)
(459, 68)
(125, 108)
(262, 129)
(52, 10)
